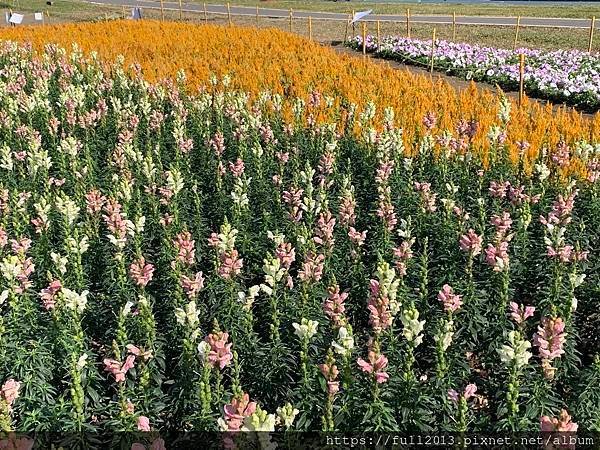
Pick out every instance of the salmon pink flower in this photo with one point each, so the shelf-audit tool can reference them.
(140, 272)
(143, 423)
(376, 365)
(49, 294)
(471, 243)
(235, 412)
(334, 305)
(561, 424)
(10, 391)
(452, 302)
(191, 286)
(220, 351)
(520, 313)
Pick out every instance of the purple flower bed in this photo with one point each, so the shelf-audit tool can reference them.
(569, 76)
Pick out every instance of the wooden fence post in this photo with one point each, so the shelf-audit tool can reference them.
(454, 26)
(180, 11)
(310, 28)
(517, 33)
(257, 15)
(408, 23)
(353, 24)
(592, 26)
(432, 51)
(364, 38)
(162, 10)
(378, 35)
(291, 20)
(229, 21)
(521, 78)
(205, 14)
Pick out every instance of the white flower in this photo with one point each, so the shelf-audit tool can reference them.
(4, 296)
(81, 362)
(259, 421)
(127, 308)
(188, 315)
(75, 301)
(60, 262)
(345, 342)
(307, 328)
(287, 413)
(203, 349)
(516, 352)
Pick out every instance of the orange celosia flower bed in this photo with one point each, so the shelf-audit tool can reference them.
(288, 64)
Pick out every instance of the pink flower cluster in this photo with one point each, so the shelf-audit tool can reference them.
(191, 286)
(520, 313)
(117, 369)
(451, 301)
(237, 411)
(49, 294)
(10, 392)
(469, 392)
(230, 264)
(471, 243)
(220, 350)
(562, 208)
(331, 372)
(428, 197)
(550, 339)
(561, 424)
(334, 306)
(140, 272)
(293, 198)
(324, 230)
(347, 213)
(376, 365)
(402, 255)
(380, 315)
(312, 268)
(185, 245)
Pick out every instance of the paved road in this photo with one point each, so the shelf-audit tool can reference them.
(281, 13)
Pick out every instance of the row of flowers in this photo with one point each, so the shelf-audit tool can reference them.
(569, 76)
(199, 261)
(286, 64)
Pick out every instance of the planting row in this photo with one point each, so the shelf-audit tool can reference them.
(569, 76)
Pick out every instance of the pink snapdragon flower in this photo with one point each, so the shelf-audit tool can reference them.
(220, 350)
(331, 372)
(118, 370)
(469, 392)
(376, 364)
(140, 272)
(452, 302)
(10, 392)
(49, 294)
(380, 315)
(312, 268)
(191, 286)
(143, 423)
(550, 339)
(497, 256)
(561, 424)
(230, 264)
(334, 306)
(286, 254)
(237, 168)
(324, 230)
(237, 411)
(402, 255)
(185, 245)
(471, 243)
(520, 313)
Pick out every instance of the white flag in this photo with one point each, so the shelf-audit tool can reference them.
(360, 15)
(17, 19)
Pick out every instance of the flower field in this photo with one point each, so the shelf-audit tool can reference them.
(569, 76)
(217, 253)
